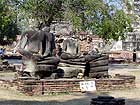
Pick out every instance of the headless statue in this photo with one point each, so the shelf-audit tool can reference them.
(36, 46)
(71, 49)
(38, 42)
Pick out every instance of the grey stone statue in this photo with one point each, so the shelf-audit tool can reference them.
(41, 42)
(36, 46)
(71, 48)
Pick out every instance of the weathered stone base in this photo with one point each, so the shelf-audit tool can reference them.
(31, 86)
(41, 87)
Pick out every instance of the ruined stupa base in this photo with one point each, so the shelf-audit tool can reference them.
(33, 86)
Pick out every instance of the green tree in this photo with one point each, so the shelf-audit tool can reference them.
(98, 16)
(43, 11)
(8, 26)
(102, 18)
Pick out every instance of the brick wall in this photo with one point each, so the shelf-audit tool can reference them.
(49, 86)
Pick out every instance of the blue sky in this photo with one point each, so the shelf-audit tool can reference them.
(116, 3)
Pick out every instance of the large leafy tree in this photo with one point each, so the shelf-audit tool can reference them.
(8, 26)
(98, 16)
(43, 11)
(102, 18)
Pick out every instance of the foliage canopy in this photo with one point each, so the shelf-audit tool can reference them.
(97, 16)
(8, 26)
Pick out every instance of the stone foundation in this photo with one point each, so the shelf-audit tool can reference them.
(117, 82)
(31, 86)
(129, 80)
(41, 87)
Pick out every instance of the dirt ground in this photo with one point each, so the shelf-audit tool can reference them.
(132, 96)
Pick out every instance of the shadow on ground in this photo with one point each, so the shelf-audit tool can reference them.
(53, 102)
(80, 101)
(85, 101)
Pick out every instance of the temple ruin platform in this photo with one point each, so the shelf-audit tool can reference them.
(32, 86)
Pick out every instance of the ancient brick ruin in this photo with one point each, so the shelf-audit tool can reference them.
(48, 86)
